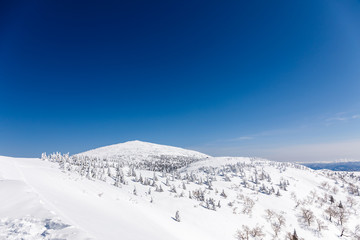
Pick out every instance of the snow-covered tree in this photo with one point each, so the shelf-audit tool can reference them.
(177, 216)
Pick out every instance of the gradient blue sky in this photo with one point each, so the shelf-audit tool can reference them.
(276, 79)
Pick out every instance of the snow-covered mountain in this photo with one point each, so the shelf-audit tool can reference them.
(139, 150)
(83, 197)
(149, 155)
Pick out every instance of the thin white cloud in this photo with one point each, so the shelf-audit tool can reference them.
(245, 138)
(357, 116)
(242, 138)
(260, 134)
(343, 118)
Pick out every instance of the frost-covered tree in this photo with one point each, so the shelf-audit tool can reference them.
(243, 234)
(331, 212)
(246, 233)
(173, 189)
(223, 194)
(320, 225)
(332, 200)
(257, 232)
(292, 236)
(343, 216)
(307, 215)
(278, 193)
(351, 201)
(177, 216)
(248, 205)
(356, 233)
(277, 224)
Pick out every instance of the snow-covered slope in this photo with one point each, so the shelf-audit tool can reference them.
(218, 198)
(39, 201)
(25, 212)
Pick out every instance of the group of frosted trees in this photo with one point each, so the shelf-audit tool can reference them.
(167, 163)
(200, 185)
(112, 171)
(101, 168)
(247, 233)
(158, 163)
(335, 212)
(277, 222)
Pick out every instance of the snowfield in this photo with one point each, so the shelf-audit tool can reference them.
(25, 213)
(95, 195)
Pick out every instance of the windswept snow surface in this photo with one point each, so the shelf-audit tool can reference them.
(67, 199)
(25, 213)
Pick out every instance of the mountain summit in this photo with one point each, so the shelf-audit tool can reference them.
(138, 151)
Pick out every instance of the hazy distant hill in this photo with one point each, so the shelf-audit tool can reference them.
(335, 166)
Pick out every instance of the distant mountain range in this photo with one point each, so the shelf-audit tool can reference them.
(335, 166)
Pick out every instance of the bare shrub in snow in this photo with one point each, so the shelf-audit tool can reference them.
(307, 215)
(331, 212)
(248, 205)
(247, 233)
(277, 222)
(320, 225)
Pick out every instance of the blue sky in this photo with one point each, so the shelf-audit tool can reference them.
(275, 79)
